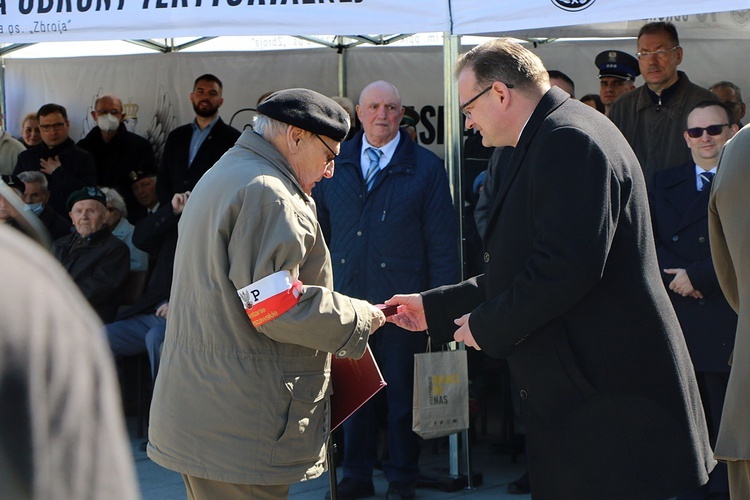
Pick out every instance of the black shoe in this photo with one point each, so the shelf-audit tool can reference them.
(521, 486)
(398, 490)
(351, 489)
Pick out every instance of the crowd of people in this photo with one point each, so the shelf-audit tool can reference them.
(591, 243)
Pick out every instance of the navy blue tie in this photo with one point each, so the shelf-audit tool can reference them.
(706, 178)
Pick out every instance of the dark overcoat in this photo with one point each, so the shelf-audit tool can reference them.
(175, 175)
(573, 299)
(680, 217)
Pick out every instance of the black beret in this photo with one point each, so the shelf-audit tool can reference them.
(307, 110)
(617, 64)
(86, 193)
(14, 182)
(136, 175)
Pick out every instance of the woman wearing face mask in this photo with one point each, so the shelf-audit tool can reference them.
(118, 153)
(35, 196)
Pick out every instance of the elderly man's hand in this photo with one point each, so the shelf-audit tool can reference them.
(179, 200)
(378, 318)
(411, 313)
(681, 283)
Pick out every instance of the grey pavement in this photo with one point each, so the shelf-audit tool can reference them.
(496, 469)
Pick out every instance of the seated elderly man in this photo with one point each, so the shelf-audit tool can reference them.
(36, 198)
(97, 260)
(117, 222)
(241, 403)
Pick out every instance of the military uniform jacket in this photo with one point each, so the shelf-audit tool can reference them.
(233, 402)
(680, 217)
(573, 299)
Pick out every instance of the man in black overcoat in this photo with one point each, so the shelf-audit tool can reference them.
(572, 295)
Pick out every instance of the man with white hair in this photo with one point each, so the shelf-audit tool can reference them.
(122, 229)
(241, 403)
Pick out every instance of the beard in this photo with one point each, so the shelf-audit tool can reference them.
(205, 112)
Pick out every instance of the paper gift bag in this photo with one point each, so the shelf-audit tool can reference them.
(441, 393)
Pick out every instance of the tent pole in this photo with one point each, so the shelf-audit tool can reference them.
(342, 68)
(453, 145)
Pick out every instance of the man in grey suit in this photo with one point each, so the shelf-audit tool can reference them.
(571, 294)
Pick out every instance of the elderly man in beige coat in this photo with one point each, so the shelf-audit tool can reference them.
(241, 403)
(729, 219)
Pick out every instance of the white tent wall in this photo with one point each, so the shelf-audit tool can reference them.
(165, 80)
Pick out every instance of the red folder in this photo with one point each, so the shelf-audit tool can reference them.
(354, 381)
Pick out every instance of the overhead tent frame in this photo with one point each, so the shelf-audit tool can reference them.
(264, 17)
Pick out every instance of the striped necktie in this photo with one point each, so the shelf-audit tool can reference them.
(374, 155)
(706, 178)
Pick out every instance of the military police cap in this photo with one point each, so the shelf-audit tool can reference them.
(617, 64)
(14, 182)
(136, 175)
(307, 110)
(411, 117)
(86, 193)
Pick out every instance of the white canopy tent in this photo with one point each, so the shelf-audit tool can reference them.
(32, 21)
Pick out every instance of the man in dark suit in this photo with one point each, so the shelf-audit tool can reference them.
(679, 207)
(194, 148)
(67, 167)
(571, 294)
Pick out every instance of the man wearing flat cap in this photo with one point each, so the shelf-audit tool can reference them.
(97, 261)
(617, 73)
(241, 403)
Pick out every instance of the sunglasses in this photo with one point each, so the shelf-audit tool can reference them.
(697, 132)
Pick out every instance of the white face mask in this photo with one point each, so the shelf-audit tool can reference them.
(108, 123)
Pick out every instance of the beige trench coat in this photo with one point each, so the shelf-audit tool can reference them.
(234, 403)
(729, 232)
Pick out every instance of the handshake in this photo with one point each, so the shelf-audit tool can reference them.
(407, 311)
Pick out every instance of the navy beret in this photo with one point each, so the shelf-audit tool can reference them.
(307, 110)
(411, 117)
(617, 64)
(86, 193)
(14, 182)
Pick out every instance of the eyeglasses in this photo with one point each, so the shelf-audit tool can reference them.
(110, 112)
(51, 126)
(644, 54)
(697, 132)
(463, 107)
(335, 154)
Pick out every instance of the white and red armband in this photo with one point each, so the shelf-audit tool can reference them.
(270, 297)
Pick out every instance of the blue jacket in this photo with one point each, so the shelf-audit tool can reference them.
(402, 236)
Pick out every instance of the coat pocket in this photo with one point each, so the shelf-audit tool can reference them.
(548, 374)
(305, 407)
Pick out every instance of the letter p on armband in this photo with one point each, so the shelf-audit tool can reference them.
(274, 295)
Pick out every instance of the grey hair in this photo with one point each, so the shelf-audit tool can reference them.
(116, 200)
(730, 85)
(268, 128)
(503, 60)
(35, 176)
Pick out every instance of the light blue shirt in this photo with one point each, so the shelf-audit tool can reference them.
(698, 172)
(196, 141)
(385, 158)
(123, 231)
